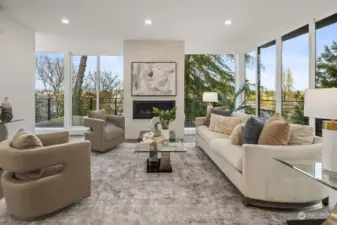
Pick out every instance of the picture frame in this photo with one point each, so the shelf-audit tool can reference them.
(154, 79)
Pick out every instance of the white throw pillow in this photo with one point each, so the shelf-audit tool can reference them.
(301, 135)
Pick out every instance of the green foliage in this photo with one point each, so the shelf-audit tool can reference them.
(326, 74)
(229, 101)
(166, 116)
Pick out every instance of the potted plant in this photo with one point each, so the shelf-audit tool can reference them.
(165, 118)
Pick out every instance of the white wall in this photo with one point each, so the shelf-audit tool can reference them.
(17, 71)
(78, 46)
(153, 51)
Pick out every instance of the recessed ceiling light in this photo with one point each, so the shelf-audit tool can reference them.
(228, 22)
(148, 22)
(65, 21)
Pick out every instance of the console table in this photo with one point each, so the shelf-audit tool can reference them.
(313, 169)
(3, 128)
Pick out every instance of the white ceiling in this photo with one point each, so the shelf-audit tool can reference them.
(199, 22)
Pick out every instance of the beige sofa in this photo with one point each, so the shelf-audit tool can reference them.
(254, 172)
(66, 178)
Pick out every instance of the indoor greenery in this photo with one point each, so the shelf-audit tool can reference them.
(165, 116)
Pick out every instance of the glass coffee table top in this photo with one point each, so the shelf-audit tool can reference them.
(167, 146)
(159, 160)
(312, 168)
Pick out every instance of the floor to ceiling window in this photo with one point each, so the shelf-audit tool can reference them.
(49, 90)
(208, 73)
(326, 61)
(267, 79)
(83, 87)
(111, 84)
(250, 79)
(295, 74)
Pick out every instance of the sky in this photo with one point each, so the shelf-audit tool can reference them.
(295, 57)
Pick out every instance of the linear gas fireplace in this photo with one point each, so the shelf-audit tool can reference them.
(143, 109)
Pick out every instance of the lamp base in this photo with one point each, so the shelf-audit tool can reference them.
(329, 153)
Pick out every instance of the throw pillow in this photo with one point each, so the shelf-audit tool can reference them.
(223, 124)
(276, 132)
(301, 135)
(217, 110)
(236, 136)
(99, 114)
(49, 171)
(24, 140)
(252, 130)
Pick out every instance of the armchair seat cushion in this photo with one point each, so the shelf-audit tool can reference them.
(111, 132)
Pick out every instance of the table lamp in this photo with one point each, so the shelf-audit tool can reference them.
(321, 103)
(209, 97)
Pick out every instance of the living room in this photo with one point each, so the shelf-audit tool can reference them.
(178, 112)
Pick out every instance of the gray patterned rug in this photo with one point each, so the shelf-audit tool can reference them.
(196, 193)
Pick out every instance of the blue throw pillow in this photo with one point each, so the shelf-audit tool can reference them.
(222, 112)
(252, 130)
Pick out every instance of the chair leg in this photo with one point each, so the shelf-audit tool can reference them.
(245, 201)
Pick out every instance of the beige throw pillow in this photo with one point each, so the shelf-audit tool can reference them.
(24, 140)
(301, 135)
(236, 136)
(223, 124)
(275, 132)
(99, 114)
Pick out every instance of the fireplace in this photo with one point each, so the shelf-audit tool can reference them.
(143, 109)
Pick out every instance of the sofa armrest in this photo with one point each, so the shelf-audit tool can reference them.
(266, 178)
(96, 125)
(200, 121)
(54, 138)
(119, 121)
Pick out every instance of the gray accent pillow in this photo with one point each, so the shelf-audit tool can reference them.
(222, 112)
(252, 130)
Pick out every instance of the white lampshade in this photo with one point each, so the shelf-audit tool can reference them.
(321, 103)
(210, 97)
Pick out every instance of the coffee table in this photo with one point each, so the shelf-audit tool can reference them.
(313, 169)
(159, 160)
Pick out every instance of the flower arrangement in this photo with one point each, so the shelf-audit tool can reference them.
(166, 116)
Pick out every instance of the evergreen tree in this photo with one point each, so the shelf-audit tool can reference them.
(326, 74)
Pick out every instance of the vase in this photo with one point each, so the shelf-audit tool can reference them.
(6, 110)
(165, 133)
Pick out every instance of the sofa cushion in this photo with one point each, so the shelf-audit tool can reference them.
(111, 132)
(208, 135)
(275, 132)
(223, 124)
(301, 135)
(252, 130)
(210, 111)
(236, 136)
(231, 153)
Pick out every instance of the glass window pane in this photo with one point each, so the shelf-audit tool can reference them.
(207, 73)
(326, 62)
(83, 87)
(49, 90)
(295, 77)
(250, 77)
(111, 85)
(267, 103)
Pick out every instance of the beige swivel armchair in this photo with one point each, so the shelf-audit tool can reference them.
(105, 135)
(66, 178)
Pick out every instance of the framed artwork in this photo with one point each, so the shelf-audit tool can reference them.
(154, 79)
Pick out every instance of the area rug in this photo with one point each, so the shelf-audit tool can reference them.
(196, 193)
